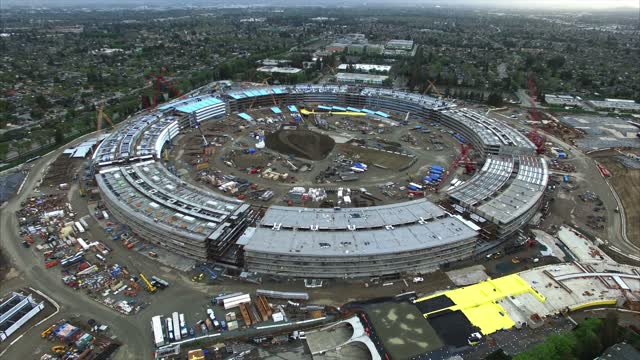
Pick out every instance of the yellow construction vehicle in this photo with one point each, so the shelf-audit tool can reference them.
(47, 332)
(150, 288)
(58, 349)
(198, 278)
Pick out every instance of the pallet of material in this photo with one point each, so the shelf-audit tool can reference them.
(245, 314)
(263, 300)
(262, 310)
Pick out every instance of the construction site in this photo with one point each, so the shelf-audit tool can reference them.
(336, 199)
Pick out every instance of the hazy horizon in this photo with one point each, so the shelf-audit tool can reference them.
(521, 4)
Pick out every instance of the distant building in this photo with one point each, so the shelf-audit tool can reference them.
(323, 18)
(616, 105)
(354, 78)
(399, 44)
(374, 49)
(252, 19)
(274, 62)
(309, 64)
(106, 51)
(336, 47)
(562, 100)
(366, 67)
(279, 70)
(356, 37)
(356, 48)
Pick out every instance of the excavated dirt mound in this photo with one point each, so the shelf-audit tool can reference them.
(302, 143)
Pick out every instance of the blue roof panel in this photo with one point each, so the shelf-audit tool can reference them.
(198, 105)
(245, 116)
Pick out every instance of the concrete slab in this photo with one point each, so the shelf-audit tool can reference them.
(404, 332)
(468, 276)
(582, 248)
(328, 339)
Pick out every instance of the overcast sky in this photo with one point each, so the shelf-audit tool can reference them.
(576, 4)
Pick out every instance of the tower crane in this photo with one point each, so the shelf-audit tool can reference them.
(536, 138)
(463, 157)
(159, 81)
(101, 116)
(432, 87)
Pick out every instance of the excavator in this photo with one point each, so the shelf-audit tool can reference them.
(47, 332)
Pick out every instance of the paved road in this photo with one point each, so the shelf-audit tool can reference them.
(32, 273)
(588, 172)
(182, 295)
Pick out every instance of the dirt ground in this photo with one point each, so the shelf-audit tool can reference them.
(391, 161)
(304, 143)
(626, 182)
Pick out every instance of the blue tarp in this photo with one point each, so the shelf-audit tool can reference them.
(292, 108)
(383, 114)
(322, 107)
(353, 109)
(276, 110)
(245, 116)
(368, 111)
(338, 108)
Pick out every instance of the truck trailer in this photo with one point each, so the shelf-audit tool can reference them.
(158, 333)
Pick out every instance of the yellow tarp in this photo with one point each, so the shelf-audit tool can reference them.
(489, 317)
(478, 302)
(345, 113)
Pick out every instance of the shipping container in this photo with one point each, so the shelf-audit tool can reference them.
(176, 326)
(78, 227)
(169, 324)
(183, 326)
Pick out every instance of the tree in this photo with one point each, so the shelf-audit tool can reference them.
(494, 100)
(59, 135)
(610, 329)
(556, 63)
(42, 102)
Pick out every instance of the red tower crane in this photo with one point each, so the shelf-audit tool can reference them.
(463, 157)
(536, 138)
(159, 81)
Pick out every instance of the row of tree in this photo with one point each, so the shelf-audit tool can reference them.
(586, 342)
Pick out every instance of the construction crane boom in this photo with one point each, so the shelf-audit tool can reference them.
(160, 80)
(534, 135)
(432, 86)
(463, 157)
(101, 116)
(150, 287)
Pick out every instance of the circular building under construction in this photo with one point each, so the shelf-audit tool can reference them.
(341, 242)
